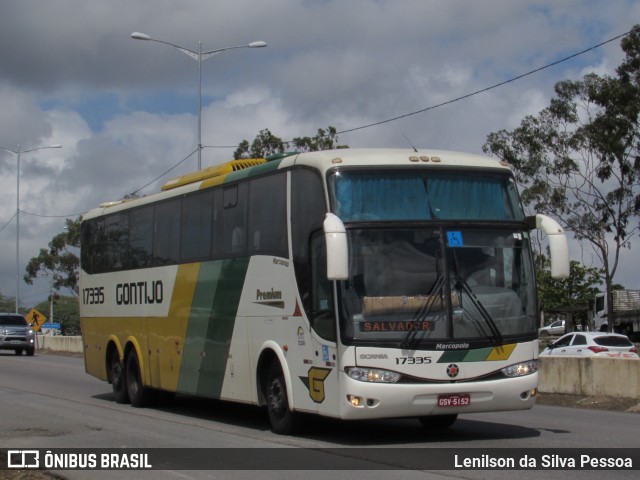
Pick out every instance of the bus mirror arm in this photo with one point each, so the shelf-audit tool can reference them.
(337, 248)
(558, 245)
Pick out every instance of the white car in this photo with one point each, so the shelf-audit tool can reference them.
(592, 344)
(556, 328)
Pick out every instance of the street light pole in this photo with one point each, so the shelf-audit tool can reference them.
(18, 153)
(199, 56)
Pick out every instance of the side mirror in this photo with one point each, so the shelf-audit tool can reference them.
(558, 245)
(337, 248)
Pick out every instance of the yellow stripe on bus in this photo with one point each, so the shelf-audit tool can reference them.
(501, 353)
(170, 333)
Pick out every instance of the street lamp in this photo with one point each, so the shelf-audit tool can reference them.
(18, 152)
(199, 56)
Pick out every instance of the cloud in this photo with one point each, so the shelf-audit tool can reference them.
(125, 111)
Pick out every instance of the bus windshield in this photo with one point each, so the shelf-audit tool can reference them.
(383, 195)
(444, 279)
(413, 286)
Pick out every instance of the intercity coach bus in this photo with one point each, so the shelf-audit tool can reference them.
(353, 283)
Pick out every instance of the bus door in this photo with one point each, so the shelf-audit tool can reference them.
(323, 374)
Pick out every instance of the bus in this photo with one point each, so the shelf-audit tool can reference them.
(354, 284)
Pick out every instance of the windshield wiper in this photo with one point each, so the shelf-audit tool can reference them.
(462, 286)
(496, 336)
(416, 324)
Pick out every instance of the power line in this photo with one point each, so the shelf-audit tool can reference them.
(132, 194)
(7, 224)
(486, 89)
(426, 109)
(40, 216)
(52, 216)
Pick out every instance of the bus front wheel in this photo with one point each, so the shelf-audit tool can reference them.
(283, 420)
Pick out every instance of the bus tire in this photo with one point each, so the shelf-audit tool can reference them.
(438, 421)
(139, 395)
(117, 378)
(283, 420)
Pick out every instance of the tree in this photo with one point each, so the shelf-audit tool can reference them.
(263, 145)
(579, 158)
(324, 140)
(580, 288)
(266, 144)
(59, 263)
(66, 312)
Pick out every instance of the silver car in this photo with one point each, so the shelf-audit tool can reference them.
(556, 328)
(16, 334)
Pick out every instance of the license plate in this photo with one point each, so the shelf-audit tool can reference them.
(459, 400)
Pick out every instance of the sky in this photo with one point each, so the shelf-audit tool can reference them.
(125, 110)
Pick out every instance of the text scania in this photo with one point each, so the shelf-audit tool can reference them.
(140, 293)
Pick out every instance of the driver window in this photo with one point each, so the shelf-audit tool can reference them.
(322, 317)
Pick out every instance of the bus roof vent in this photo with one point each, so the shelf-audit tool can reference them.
(215, 171)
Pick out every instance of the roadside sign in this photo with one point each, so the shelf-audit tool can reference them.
(35, 319)
(55, 326)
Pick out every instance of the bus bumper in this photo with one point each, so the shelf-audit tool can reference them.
(361, 400)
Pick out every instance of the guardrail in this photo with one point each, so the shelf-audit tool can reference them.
(58, 343)
(614, 377)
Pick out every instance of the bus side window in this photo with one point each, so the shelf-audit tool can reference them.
(195, 241)
(94, 248)
(322, 311)
(268, 215)
(141, 237)
(234, 220)
(117, 233)
(166, 249)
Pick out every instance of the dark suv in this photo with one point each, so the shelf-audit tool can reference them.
(16, 334)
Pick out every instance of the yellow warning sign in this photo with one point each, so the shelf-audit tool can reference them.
(35, 319)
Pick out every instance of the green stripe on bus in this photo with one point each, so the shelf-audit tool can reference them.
(453, 356)
(479, 354)
(224, 308)
(198, 325)
(213, 315)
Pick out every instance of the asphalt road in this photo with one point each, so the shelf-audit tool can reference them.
(48, 401)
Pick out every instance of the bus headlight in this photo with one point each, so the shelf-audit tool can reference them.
(375, 375)
(521, 369)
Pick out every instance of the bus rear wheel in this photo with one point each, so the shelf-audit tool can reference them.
(139, 395)
(283, 420)
(116, 377)
(438, 421)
